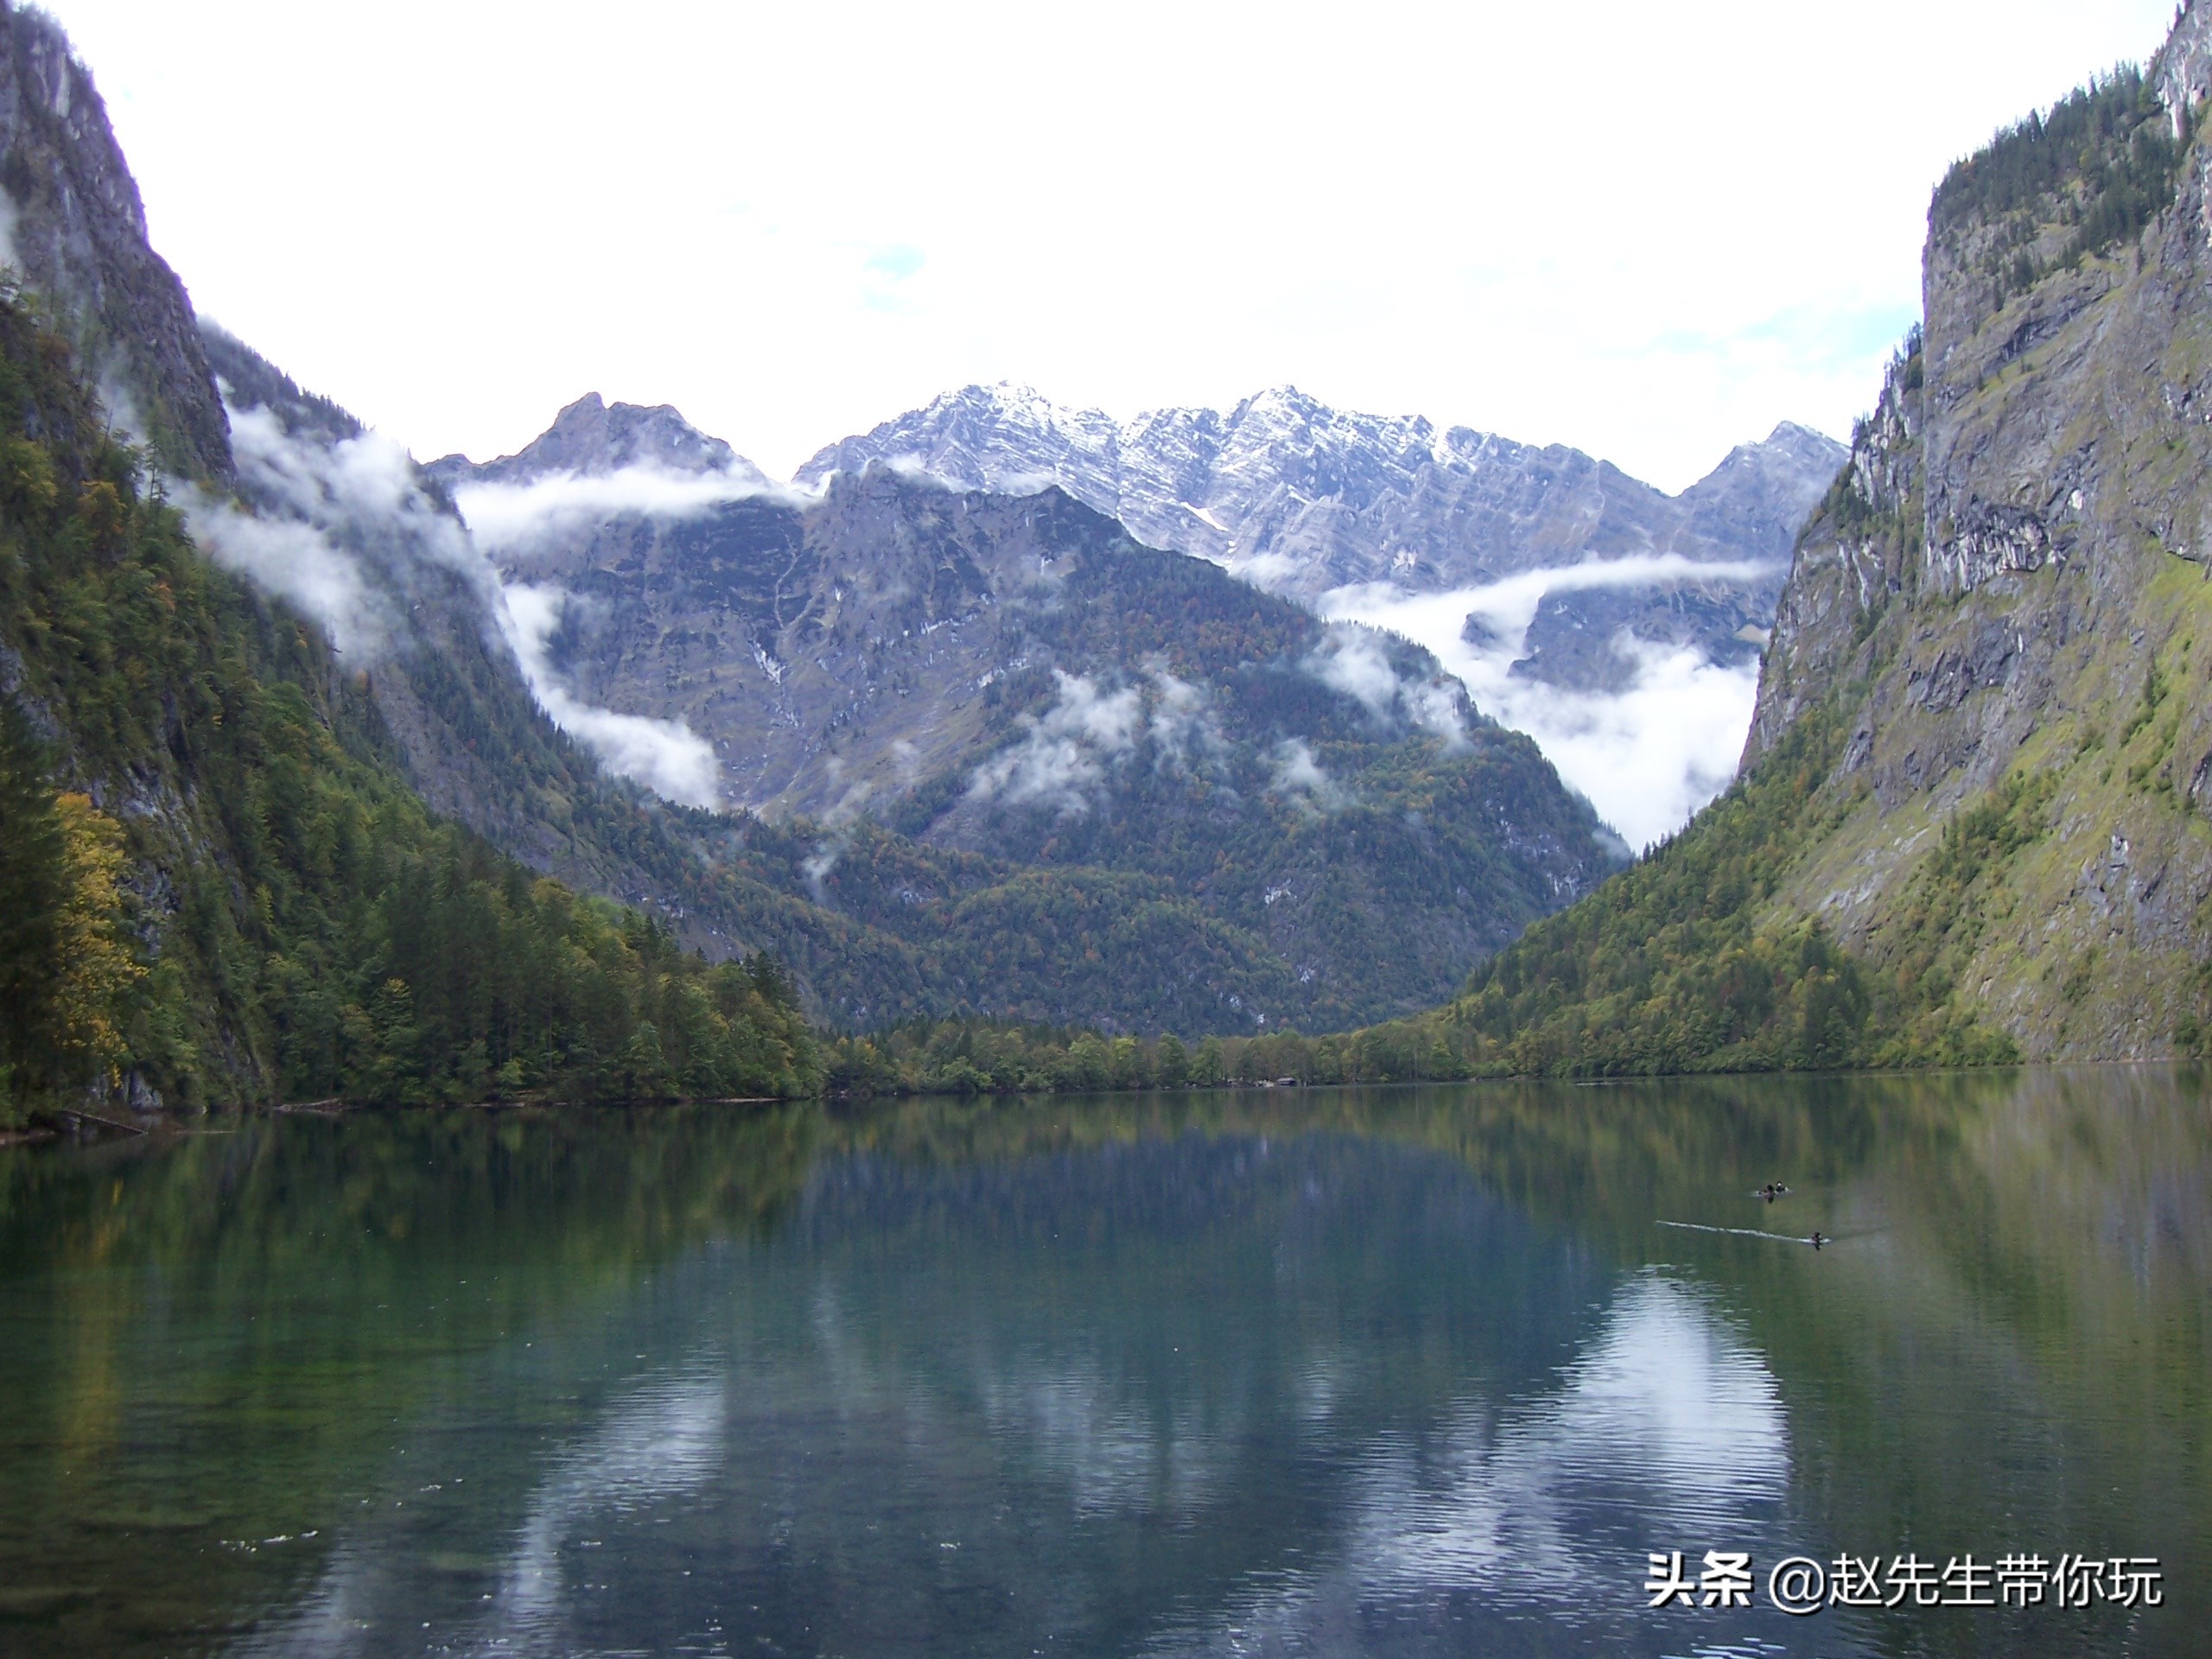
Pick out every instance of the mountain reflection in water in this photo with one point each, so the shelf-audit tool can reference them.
(1342, 1371)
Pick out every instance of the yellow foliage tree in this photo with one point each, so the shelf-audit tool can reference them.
(94, 965)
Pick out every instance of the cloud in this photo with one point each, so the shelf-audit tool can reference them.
(817, 865)
(896, 263)
(1297, 778)
(1647, 758)
(1063, 753)
(1353, 659)
(297, 563)
(514, 520)
(666, 756)
(1182, 725)
(336, 530)
(345, 534)
(885, 275)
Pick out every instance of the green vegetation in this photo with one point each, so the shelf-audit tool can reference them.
(65, 963)
(1195, 890)
(2098, 167)
(1685, 963)
(218, 887)
(981, 1058)
(1675, 965)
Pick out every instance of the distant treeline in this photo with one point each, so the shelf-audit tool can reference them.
(977, 1057)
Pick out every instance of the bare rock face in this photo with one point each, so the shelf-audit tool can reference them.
(76, 232)
(1300, 498)
(590, 438)
(2003, 600)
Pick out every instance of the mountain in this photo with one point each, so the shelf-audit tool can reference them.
(1971, 822)
(1304, 500)
(592, 439)
(392, 744)
(77, 228)
(217, 888)
(1014, 679)
(876, 927)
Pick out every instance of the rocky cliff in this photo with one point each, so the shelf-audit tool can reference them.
(75, 229)
(2001, 602)
(1971, 823)
(1302, 499)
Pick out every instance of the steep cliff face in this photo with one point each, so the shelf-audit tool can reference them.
(1302, 499)
(75, 229)
(2005, 599)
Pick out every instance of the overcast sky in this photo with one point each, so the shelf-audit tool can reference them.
(1647, 230)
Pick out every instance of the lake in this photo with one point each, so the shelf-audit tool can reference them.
(1401, 1372)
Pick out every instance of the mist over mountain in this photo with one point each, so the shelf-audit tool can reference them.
(1576, 602)
(1015, 677)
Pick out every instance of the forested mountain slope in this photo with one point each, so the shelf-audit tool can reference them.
(1971, 822)
(1136, 916)
(216, 888)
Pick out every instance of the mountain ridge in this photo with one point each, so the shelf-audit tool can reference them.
(1239, 488)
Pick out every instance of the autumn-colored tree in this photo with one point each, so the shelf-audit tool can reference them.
(94, 966)
(65, 963)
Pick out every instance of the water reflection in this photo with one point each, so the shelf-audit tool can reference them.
(1394, 1372)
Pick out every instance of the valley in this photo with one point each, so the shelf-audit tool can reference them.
(1280, 719)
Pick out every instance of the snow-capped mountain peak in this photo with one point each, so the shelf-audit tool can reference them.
(1303, 498)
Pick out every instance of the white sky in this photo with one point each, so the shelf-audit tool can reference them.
(1647, 230)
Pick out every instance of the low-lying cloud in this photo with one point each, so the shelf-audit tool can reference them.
(1064, 752)
(514, 520)
(1647, 758)
(297, 563)
(345, 533)
(1185, 732)
(666, 756)
(334, 530)
(1299, 778)
(1352, 660)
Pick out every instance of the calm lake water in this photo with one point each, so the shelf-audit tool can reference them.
(1323, 1371)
